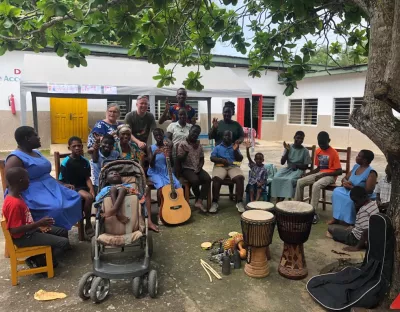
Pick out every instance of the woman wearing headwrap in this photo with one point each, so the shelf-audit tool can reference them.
(126, 147)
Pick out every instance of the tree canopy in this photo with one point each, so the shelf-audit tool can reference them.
(186, 31)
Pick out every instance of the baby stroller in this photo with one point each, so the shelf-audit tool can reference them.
(112, 235)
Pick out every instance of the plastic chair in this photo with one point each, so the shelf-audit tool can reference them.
(26, 252)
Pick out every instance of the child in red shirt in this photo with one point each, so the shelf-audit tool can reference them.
(24, 231)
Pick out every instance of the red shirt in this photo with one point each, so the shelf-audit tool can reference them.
(327, 160)
(16, 213)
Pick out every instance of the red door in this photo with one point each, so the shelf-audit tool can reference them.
(240, 111)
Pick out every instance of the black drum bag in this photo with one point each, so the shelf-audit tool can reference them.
(365, 286)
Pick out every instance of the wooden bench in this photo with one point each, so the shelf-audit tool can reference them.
(344, 156)
(57, 164)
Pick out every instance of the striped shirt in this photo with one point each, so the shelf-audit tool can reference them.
(383, 188)
(362, 218)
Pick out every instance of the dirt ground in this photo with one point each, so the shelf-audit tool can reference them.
(183, 285)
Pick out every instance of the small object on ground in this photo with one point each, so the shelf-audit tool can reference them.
(226, 265)
(205, 269)
(232, 234)
(209, 267)
(43, 295)
(316, 219)
(206, 245)
(238, 238)
(237, 262)
(229, 244)
(242, 250)
(396, 303)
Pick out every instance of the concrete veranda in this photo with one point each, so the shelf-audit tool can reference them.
(183, 285)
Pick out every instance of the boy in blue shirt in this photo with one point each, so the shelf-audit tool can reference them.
(102, 151)
(227, 157)
(75, 174)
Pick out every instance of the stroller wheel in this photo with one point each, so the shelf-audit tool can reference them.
(100, 289)
(85, 283)
(153, 284)
(137, 287)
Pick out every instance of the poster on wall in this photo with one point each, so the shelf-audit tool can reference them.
(110, 90)
(62, 88)
(90, 89)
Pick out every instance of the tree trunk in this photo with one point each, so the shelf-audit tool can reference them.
(375, 118)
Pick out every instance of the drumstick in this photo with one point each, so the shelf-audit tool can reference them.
(211, 269)
(206, 271)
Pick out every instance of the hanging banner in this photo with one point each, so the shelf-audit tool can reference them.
(62, 88)
(90, 89)
(110, 90)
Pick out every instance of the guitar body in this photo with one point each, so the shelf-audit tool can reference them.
(174, 210)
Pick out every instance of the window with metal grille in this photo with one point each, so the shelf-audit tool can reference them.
(303, 112)
(122, 106)
(160, 107)
(343, 108)
(268, 108)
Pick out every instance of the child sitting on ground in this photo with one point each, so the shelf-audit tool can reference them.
(75, 173)
(103, 150)
(117, 191)
(355, 236)
(24, 231)
(383, 191)
(257, 176)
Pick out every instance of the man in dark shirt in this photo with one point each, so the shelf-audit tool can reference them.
(227, 124)
(141, 122)
(173, 111)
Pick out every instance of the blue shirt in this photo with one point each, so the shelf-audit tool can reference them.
(96, 167)
(226, 152)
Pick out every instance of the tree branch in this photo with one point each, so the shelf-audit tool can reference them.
(57, 20)
(388, 90)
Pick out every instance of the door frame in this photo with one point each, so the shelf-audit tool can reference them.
(35, 95)
(241, 112)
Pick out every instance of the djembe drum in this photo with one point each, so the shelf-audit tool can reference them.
(263, 206)
(294, 221)
(258, 229)
(260, 205)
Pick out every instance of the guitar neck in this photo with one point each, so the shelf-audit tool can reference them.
(171, 179)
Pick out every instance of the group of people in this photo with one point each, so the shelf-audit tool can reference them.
(352, 203)
(38, 205)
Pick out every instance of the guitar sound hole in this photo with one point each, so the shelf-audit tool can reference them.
(173, 195)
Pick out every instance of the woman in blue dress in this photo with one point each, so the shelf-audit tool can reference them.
(106, 126)
(362, 175)
(45, 196)
(158, 170)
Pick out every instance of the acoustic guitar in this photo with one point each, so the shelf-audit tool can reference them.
(174, 207)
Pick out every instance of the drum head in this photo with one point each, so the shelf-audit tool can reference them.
(260, 205)
(294, 207)
(257, 216)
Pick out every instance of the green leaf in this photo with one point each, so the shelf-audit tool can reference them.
(78, 14)
(3, 49)
(8, 23)
(298, 60)
(83, 62)
(288, 90)
(60, 51)
(291, 45)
